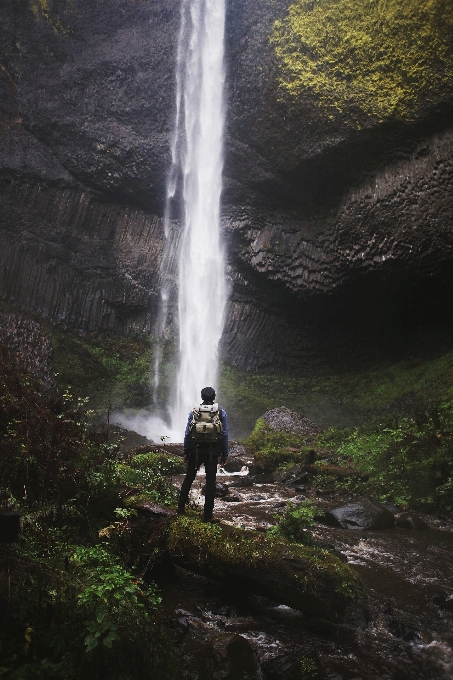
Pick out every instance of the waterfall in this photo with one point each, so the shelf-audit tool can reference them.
(195, 179)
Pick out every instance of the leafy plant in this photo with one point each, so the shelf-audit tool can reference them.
(408, 461)
(295, 521)
(112, 597)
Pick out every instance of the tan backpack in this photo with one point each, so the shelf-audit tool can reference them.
(206, 426)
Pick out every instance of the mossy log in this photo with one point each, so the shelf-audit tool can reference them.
(306, 578)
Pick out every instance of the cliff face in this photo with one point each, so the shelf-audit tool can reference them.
(338, 227)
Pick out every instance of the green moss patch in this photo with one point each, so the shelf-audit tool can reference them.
(384, 58)
(106, 367)
(271, 448)
(407, 460)
(311, 579)
(340, 398)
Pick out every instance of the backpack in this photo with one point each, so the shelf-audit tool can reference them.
(206, 426)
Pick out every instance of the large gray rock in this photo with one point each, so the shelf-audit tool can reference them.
(286, 420)
(409, 520)
(366, 513)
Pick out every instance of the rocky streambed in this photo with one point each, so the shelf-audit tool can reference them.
(401, 629)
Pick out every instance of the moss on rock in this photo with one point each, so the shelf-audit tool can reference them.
(383, 58)
(310, 579)
(272, 448)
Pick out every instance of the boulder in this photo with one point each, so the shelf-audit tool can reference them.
(286, 420)
(366, 513)
(221, 490)
(291, 474)
(234, 464)
(230, 656)
(408, 520)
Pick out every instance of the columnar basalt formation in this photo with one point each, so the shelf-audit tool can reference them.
(339, 234)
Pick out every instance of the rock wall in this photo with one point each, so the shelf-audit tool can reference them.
(339, 238)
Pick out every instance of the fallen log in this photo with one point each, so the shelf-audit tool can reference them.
(309, 579)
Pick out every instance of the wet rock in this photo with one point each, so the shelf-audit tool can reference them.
(242, 482)
(300, 489)
(408, 520)
(234, 464)
(444, 601)
(263, 478)
(236, 450)
(297, 665)
(284, 419)
(221, 490)
(367, 513)
(230, 656)
(403, 630)
(291, 474)
(234, 498)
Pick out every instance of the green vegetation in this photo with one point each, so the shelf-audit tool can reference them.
(234, 553)
(73, 611)
(105, 367)
(407, 460)
(383, 58)
(272, 449)
(75, 605)
(293, 523)
(401, 447)
(341, 397)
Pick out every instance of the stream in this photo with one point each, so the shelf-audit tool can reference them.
(401, 630)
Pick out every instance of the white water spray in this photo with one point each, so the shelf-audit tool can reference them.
(197, 162)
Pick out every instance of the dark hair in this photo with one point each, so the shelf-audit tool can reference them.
(208, 395)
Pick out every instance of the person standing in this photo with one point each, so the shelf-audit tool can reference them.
(205, 442)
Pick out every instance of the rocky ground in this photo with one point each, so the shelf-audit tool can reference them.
(401, 629)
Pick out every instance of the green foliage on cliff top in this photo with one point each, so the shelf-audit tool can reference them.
(381, 57)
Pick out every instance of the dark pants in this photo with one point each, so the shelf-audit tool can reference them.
(209, 459)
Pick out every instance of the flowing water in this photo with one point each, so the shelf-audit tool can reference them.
(195, 178)
(402, 628)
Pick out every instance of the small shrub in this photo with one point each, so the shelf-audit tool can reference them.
(160, 462)
(295, 521)
(408, 461)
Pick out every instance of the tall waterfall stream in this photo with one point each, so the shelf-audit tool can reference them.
(196, 176)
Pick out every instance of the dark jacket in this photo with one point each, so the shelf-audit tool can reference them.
(189, 444)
